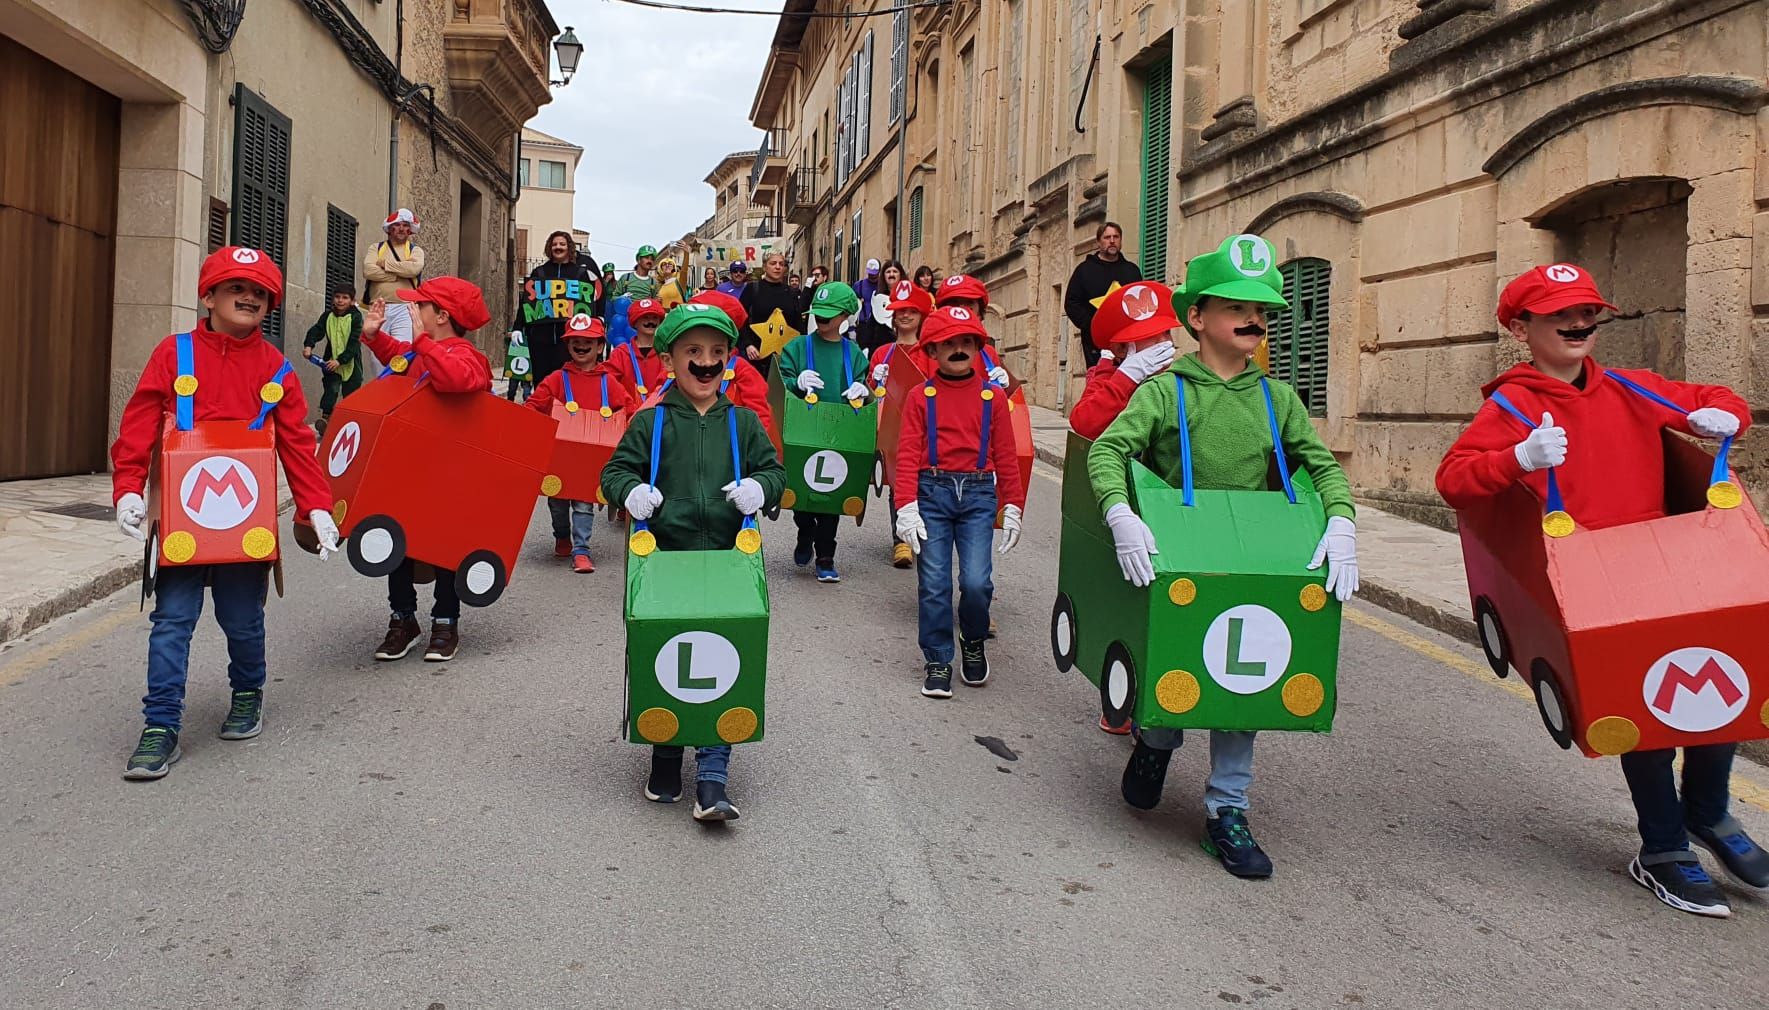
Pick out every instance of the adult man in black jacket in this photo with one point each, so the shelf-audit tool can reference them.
(565, 285)
(1093, 277)
(762, 298)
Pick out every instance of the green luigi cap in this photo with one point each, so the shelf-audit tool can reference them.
(687, 317)
(835, 299)
(1244, 268)
(644, 251)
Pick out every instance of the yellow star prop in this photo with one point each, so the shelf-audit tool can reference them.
(1101, 300)
(776, 332)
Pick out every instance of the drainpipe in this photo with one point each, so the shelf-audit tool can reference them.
(398, 106)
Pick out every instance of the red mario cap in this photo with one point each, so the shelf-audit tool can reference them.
(643, 307)
(1549, 289)
(951, 321)
(1135, 312)
(236, 262)
(459, 298)
(724, 303)
(963, 286)
(911, 296)
(585, 325)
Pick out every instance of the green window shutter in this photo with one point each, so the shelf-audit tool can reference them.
(340, 251)
(915, 200)
(1298, 336)
(1157, 134)
(261, 186)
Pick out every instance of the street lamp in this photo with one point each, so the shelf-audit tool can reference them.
(569, 49)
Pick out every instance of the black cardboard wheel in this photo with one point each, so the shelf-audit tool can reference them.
(1117, 686)
(377, 546)
(1062, 633)
(481, 579)
(1551, 703)
(1493, 641)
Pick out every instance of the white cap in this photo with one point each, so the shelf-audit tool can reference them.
(872, 266)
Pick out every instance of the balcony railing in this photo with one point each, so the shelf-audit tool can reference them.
(801, 195)
(773, 146)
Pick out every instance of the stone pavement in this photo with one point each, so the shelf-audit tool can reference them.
(59, 549)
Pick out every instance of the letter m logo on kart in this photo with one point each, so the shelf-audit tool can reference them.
(218, 493)
(1696, 689)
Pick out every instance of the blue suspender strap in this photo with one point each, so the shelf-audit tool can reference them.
(640, 525)
(1185, 442)
(184, 408)
(604, 391)
(933, 425)
(266, 395)
(848, 368)
(390, 370)
(638, 373)
(570, 400)
(749, 522)
(1555, 502)
(1721, 471)
(1643, 391)
(988, 395)
(1277, 442)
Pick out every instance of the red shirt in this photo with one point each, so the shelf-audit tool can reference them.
(230, 373)
(454, 365)
(1108, 391)
(1615, 462)
(651, 371)
(914, 354)
(749, 389)
(586, 386)
(959, 416)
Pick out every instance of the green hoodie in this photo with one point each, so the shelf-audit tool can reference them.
(696, 464)
(827, 355)
(1231, 437)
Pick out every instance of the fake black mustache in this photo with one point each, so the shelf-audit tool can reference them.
(706, 373)
(958, 356)
(1250, 330)
(1579, 332)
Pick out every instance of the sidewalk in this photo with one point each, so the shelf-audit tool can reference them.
(59, 550)
(1411, 569)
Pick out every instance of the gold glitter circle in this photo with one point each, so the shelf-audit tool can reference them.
(749, 540)
(258, 543)
(1313, 597)
(1724, 494)
(1764, 714)
(184, 385)
(1612, 735)
(1182, 592)
(1303, 694)
(788, 498)
(399, 364)
(988, 394)
(601, 499)
(1177, 691)
(1558, 524)
(642, 543)
(551, 484)
(658, 725)
(340, 509)
(737, 724)
(878, 391)
(810, 397)
(271, 392)
(730, 373)
(853, 507)
(179, 547)
(571, 406)
(606, 411)
(927, 391)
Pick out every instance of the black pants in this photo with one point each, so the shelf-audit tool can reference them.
(336, 387)
(1707, 773)
(402, 594)
(818, 531)
(516, 385)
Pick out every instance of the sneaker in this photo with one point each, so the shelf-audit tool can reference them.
(710, 803)
(938, 682)
(154, 755)
(444, 640)
(1144, 775)
(402, 634)
(246, 719)
(1742, 857)
(902, 556)
(665, 783)
(1123, 730)
(1678, 880)
(826, 570)
(1231, 841)
(582, 565)
(562, 547)
(801, 554)
(973, 667)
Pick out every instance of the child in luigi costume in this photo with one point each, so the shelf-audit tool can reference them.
(584, 340)
(694, 506)
(1223, 303)
(830, 352)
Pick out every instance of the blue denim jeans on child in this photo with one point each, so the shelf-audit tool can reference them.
(1231, 764)
(573, 519)
(958, 510)
(1663, 815)
(711, 764)
(178, 602)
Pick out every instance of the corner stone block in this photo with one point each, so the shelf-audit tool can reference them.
(1410, 308)
(1760, 260)
(1721, 207)
(1717, 328)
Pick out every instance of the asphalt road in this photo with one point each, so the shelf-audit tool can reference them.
(472, 835)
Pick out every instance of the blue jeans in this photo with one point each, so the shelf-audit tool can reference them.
(711, 764)
(958, 510)
(1663, 816)
(573, 519)
(1231, 763)
(178, 602)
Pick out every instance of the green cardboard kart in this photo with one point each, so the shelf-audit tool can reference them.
(1235, 633)
(829, 448)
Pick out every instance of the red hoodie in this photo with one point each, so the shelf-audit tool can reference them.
(959, 415)
(1104, 398)
(1615, 463)
(230, 372)
(586, 386)
(454, 365)
(650, 373)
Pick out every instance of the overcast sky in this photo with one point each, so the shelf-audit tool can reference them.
(659, 98)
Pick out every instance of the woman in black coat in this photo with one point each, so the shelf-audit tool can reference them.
(565, 285)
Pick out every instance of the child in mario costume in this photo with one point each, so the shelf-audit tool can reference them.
(641, 371)
(580, 375)
(694, 505)
(222, 371)
(966, 292)
(1230, 420)
(447, 309)
(1136, 322)
(955, 463)
(909, 307)
(1599, 430)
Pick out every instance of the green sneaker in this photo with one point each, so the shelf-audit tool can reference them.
(154, 755)
(246, 719)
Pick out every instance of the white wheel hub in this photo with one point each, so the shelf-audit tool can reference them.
(375, 545)
(480, 577)
(1551, 704)
(1117, 684)
(1065, 633)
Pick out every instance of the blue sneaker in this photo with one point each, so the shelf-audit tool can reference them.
(154, 755)
(826, 570)
(1742, 857)
(1677, 879)
(1230, 840)
(245, 719)
(801, 555)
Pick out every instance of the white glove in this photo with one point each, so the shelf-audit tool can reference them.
(1148, 361)
(1338, 547)
(999, 376)
(643, 501)
(910, 529)
(1546, 446)
(1010, 528)
(809, 381)
(1134, 542)
(746, 494)
(517, 338)
(131, 511)
(1712, 422)
(857, 391)
(326, 530)
(1107, 356)
(880, 372)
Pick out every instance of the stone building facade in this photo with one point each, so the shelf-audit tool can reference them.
(1406, 159)
(547, 176)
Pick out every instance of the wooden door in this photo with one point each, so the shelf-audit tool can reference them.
(58, 213)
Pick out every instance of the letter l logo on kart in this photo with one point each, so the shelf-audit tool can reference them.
(685, 678)
(1238, 667)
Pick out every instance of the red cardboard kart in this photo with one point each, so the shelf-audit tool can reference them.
(583, 444)
(212, 495)
(447, 480)
(1636, 637)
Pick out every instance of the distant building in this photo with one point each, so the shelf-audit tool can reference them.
(546, 169)
(740, 229)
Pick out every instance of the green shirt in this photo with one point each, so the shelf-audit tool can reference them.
(638, 287)
(827, 362)
(1230, 436)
